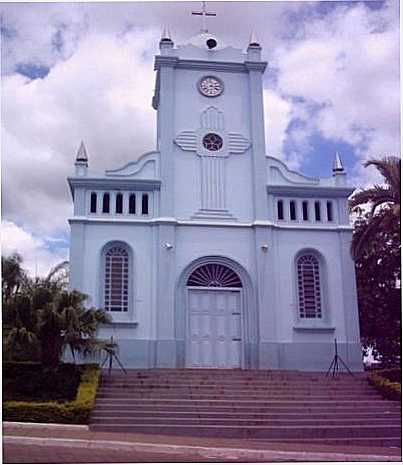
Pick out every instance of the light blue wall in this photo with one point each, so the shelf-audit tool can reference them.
(248, 237)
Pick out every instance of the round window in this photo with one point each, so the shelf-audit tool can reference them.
(212, 142)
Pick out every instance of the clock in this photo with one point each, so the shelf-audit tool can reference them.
(210, 86)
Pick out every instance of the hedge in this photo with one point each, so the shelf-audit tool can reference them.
(389, 389)
(31, 382)
(73, 412)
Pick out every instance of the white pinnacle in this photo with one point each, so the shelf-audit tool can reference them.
(166, 34)
(337, 164)
(253, 39)
(82, 153)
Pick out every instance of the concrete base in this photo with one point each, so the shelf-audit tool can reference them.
(302, 356)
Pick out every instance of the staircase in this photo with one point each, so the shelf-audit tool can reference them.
(263, 405)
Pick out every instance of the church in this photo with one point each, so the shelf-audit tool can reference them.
(206, 252)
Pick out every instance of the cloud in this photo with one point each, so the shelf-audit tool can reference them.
(343, 70)
(103, 98)
(38, 257)
(332, 71)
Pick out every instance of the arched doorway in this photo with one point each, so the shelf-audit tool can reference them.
(214, 320)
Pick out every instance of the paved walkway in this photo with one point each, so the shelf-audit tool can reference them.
(41, 443)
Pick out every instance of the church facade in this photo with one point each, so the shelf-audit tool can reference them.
(206, 252)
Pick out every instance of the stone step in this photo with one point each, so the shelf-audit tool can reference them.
(228, 385)
(273, 432)
(347, 416)
(231, 372)
(240, 386)
(320, 378)
(269, 410)
(235, 397)
(392, 442)
(123, 401)
(245, 422)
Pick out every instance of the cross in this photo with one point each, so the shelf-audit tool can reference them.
(203, 14)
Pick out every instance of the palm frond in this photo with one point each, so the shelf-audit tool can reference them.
(374, 195)
(362, 241)
(389, 167)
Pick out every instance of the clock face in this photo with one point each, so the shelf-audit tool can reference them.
(211, 86)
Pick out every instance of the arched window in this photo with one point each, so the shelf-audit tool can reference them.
(132, 204)
(93, 207)
(214, 275)
(309, 292)
(116, 278)
(119, 203)
(105, 203)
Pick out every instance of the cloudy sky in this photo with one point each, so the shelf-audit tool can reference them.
(73, 71)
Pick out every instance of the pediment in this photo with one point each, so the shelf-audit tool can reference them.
(279, 173)
(146, 167)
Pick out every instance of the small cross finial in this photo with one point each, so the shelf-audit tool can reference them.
(204, 13)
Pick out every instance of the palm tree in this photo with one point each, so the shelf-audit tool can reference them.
(384, 201)
(44, 317)
(12, 276)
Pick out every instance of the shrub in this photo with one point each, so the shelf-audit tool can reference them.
(382, 380)
(32, 382)
(73, 412)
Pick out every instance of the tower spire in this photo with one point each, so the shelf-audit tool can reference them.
(82, 153)
(166, 35)
(253, 40)
(81, 162)
(337, 164)
(203, 13)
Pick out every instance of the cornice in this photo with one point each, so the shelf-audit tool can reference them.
(228, 66)
(310, 191)
(114, 183)
(164, 60)
(212, 224)
(256, 65)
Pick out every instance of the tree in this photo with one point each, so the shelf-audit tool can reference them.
(379, 303)
(65, 322)
(376, 251)
(12, 276)
(44, 318)
(384, 202)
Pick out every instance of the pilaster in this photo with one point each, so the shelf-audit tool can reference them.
(165, 330)
(166, 135)
(258, 139)
(77, 240)
(350, 305)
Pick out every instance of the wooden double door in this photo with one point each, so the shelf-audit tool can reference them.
(214, 328)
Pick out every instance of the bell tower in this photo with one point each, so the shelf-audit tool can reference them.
(210, 128)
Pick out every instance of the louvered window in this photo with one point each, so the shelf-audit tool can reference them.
(309, 293)
(116, 298)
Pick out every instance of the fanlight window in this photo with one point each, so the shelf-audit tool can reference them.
(117, 279)
(214, 275)
(310, 305)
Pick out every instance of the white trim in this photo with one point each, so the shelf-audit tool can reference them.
(313, 227)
